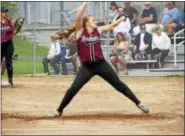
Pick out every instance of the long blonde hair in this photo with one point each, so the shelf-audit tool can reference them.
(117, 42)
(54, 36)
(66, 33)
(69, 32)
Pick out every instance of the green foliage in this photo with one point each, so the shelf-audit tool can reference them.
(12, 6)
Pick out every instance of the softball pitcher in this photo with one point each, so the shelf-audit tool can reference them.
(93, 62)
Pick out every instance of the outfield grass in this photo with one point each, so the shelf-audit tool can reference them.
(25, 48)
(26, 67)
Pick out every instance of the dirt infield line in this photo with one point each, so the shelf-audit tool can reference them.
(100, 116)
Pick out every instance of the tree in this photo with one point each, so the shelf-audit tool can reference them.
(12, 6)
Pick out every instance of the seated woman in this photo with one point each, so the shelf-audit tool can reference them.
(53, 56)
(120, 51)
(161, 46)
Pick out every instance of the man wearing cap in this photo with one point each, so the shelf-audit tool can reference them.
(7, 47)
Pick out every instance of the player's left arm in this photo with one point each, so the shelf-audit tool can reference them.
(112, 25)
(16, 27)
(14, 30)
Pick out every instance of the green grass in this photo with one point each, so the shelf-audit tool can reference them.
(174, 76)
(26, 67)
(25, 48)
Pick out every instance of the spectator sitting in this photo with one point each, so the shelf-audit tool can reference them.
(120, 50)
(143, 44)
(123, 27)
(72, 56)
(182, 18)
(112, 13)
(53, 56)
(148, 17)
(132, 14)
(170, 18)
(161, 46)
(182, 21)
(71, 52)
(63, 45)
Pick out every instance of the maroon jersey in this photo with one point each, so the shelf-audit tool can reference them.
(89, 46)
(6, 31)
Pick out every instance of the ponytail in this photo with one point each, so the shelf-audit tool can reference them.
(66, 33)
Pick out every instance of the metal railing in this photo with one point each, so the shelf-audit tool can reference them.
(177, 45)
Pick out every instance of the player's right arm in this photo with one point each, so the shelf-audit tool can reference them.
(78, 21)
(79, 15)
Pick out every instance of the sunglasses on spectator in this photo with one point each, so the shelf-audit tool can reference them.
(147, 5)
(143, 28)
(126, 3)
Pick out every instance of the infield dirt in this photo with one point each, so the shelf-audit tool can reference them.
(98, 109)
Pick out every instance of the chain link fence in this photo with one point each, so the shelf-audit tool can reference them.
(134, 56)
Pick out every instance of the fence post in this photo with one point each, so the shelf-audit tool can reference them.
(29, 14)
(101, 11)
(61, 15)
(108, 33)
(34, 40)
(49, 13)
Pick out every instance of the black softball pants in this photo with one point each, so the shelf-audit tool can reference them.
(86, 72)
(7, 50)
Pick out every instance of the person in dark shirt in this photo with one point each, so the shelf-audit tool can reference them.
(143, 44)
(149, 14)
(131, 12)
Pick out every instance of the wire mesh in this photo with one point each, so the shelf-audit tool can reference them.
(33, 44)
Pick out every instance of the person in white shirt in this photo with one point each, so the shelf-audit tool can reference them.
(160, 46)
(123, 27)
(53, 56)
(120, 52)
(142, 44)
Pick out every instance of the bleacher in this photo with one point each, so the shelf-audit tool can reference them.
(169, 61)
(135, 66)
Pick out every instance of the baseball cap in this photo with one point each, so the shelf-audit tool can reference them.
(3, 9)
